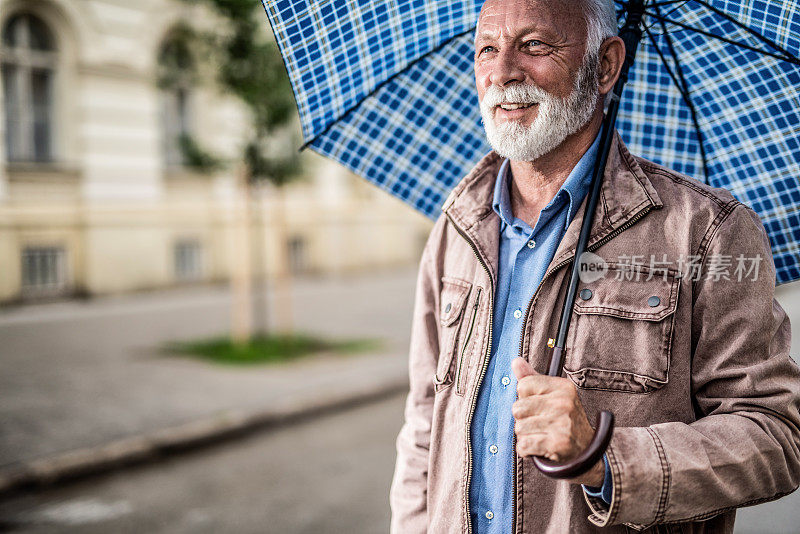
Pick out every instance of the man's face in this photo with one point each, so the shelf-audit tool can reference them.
(535, 83)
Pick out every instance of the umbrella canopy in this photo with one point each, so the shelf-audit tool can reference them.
(387, 89)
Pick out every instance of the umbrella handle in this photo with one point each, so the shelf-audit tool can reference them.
(588, 458)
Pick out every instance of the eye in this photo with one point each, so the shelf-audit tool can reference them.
(485, 49)
(533, 43)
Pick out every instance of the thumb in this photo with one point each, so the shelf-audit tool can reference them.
(522, 368)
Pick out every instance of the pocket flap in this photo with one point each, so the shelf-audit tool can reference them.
(453, 299)
(648, 300)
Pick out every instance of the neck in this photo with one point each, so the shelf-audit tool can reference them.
(535, 183)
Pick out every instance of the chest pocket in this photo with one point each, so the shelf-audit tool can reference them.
(621, 331)
(455, 323)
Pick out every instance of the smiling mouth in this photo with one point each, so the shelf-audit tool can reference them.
(507, 106)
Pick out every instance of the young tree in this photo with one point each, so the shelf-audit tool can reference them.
(248, 65)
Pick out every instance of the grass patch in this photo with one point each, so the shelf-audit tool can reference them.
(269, 348)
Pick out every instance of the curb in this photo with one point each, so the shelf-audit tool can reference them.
(154, 446)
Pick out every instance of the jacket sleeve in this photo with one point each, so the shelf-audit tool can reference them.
(408, 495)
(744, 448)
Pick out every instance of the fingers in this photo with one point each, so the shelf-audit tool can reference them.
(528, 407)
(544, 445)
(522, 368)
(540, 424)
(542, 384)
(549, 418)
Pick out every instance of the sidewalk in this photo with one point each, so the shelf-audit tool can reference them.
(86, 386)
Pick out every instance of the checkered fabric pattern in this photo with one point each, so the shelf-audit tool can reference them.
(387, 89)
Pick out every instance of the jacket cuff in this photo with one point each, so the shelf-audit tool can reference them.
(639, 481)
(604, 491)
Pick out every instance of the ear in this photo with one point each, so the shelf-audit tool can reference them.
(612, 56)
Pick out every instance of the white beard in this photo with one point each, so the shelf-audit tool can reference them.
(557, 118)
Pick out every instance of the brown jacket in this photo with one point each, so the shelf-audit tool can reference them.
(704, 392)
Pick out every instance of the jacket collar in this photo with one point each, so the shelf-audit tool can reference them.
(625, 194)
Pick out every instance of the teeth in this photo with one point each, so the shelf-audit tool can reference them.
(509, 107)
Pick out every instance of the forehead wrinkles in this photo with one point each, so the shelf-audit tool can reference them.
(502, 18)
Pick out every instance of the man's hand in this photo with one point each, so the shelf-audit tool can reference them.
(551, 421)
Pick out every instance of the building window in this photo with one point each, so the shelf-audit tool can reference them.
(298, 261)
(28, 69)
(44, 269)
(188, 261)
(176, 78)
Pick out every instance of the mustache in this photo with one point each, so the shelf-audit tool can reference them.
(518, 94)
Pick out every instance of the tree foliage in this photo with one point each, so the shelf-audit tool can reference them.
(249, 66)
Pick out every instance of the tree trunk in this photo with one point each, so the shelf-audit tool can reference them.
(284, 313)
(241, 275)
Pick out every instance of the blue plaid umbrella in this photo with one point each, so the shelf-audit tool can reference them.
(387, 89)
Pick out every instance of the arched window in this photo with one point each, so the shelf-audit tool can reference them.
(29, 62)
(176, 78)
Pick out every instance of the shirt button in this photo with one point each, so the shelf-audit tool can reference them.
(493, 449)
(531, 243)
(505, 381)
(517, 313)
(489, 514)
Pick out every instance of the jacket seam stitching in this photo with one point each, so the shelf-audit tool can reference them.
(645, 165)
(711, 232)
(520, 494)
(653, 317)
(605, 207)
(661, 509)
(715, 225)
(615, 486)
(630, 161)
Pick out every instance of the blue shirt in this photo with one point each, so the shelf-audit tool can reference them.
(525, 254)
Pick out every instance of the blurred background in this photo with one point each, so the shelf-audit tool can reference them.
(174, 273)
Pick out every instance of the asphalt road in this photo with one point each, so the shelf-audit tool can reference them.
(329, 475)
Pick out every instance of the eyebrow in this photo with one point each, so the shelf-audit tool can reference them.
(485, 34)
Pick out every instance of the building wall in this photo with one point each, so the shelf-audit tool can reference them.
(117, 210)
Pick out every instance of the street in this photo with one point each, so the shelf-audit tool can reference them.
(329, 475)
(85, 373)
(324, 476)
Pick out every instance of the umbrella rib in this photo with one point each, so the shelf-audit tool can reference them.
(788, 59)
(680, 3)
(686, 98)
(666, 65)
(667, 3)
(683, 87)
(746, 28)
(378, 87)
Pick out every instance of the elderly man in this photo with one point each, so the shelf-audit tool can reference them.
(693, 362)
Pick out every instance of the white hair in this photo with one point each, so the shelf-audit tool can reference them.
(601, 23)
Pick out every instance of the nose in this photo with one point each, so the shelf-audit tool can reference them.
(505, 68)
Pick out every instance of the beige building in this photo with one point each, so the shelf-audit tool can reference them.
(94, 197)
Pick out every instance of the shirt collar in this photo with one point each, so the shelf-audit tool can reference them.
(574, 188)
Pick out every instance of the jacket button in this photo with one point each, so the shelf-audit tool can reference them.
(654, 301)
(447, 308)
(586, 294)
